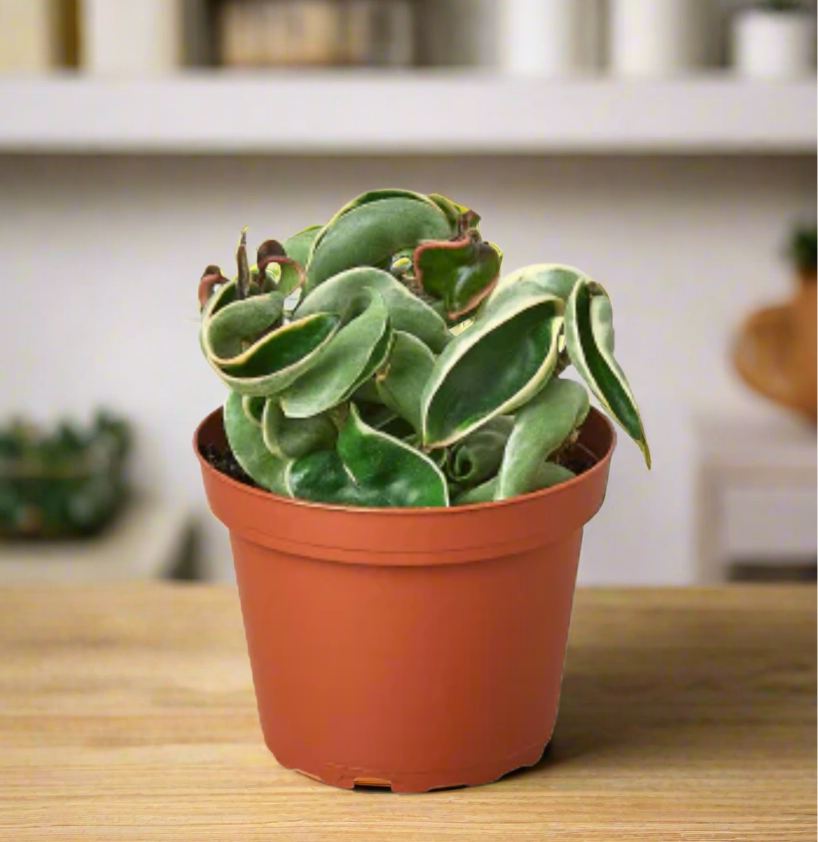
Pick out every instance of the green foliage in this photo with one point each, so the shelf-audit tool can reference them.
(803, 249)
(782, 6)
(381, 360)
(63, 483)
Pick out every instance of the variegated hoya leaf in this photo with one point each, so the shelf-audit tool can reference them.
(478, 456)
(406, 312)
(358, 350)
(540, 427)
(368, 468)
(371, 229)
(290, 438)
(548, 475)
(460, 273)
(510, 350)
(251, 351)
(245, 437)
(553, 278)
(589, 340)
(401, 382)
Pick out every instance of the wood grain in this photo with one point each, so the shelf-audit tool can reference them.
(127, 713)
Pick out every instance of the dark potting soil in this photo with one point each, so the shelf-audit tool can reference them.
(223, 460)
(576, 458)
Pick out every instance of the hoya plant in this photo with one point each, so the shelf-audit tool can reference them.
(382, 360)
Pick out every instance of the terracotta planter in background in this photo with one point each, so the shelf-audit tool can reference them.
(775, 353)
(411, 648)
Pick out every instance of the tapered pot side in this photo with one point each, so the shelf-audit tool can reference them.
(412, 648)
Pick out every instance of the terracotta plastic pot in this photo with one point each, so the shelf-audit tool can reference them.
(410, 648)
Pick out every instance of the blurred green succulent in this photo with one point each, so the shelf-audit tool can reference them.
(65, 482)
(803, 249)
(380, 359)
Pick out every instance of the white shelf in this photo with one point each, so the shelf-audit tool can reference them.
(420, 112)
(145, 542)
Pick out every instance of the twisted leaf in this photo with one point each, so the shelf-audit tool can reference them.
(553, 278)
(369, 230)
(548, 474)
(279, 358)
(291, 274)
(510, 351)
(368, 468)
(352, 357)
(299, 246)
(236, 325)
(404, 377)
(540, 427)
(479, 456)
(453, 210)
(292, 439)
(459, 272)
(247, 443)
(252, 355)
(589, 340)
(406, 312)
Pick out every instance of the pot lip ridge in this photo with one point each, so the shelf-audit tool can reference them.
(397, 511)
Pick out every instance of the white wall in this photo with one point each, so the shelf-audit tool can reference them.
(99, 262)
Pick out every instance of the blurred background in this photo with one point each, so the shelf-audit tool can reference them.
(666, 148)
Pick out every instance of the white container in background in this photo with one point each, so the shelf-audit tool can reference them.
(131, 37)
(30, 37)
(657, 37)
(549, 37)
(770, 44)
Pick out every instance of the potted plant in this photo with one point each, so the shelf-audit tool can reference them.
(775, 353)
(774, 40)
(65, 483)
(405, 477)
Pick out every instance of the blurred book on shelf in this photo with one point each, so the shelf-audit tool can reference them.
(315, 33)
(37, 36)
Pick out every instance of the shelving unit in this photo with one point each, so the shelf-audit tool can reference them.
(359, 112)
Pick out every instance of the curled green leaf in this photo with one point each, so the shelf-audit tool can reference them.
(279, 358)
(368, 468)
(245, 343)
(479, 456)
(401, 382)
(372, 228)
(242, 323)
(299, 246)
(589, 341)
(511, 350)
(291, 274)
(553, 278)
(406, 312)
(246, 441)
(358, 350)
(540, 428)
(460, 272)
(548, 475)
(292, 439)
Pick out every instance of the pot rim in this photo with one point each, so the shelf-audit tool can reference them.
(599, 466)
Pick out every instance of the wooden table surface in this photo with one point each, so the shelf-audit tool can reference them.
(127, 713)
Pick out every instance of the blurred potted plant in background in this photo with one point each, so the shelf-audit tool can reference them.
(776, 349)
(61, 484)
(413, 479)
